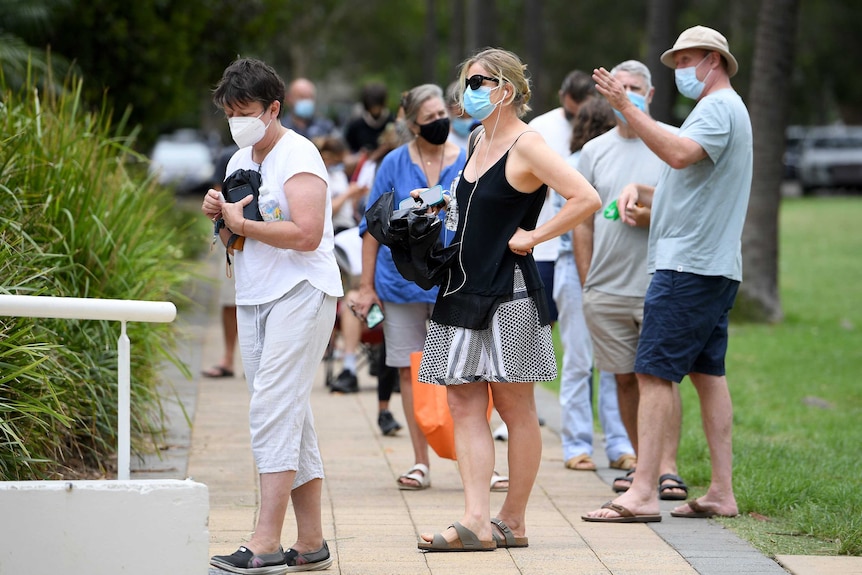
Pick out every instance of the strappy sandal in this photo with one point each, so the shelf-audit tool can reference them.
(418, 473)
(467, 541)
(665, 490)
(625, 462)
(622, 484)
(582, 462)
(496, 478)
(508, 539)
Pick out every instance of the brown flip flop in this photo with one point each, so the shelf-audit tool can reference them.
(698, 511)
(625, 516)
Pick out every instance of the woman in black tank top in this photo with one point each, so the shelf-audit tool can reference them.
(489, 333)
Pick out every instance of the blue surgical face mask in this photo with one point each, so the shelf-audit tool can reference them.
(687, 82)
(462, 126)
(477, 103)
(304, 108)
(636, 99)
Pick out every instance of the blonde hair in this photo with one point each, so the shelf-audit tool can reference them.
(506, 67)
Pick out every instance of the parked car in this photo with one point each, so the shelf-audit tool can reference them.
(793, 137)
(183, 160)
(831, 157)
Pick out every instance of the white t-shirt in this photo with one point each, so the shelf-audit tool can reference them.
(366, 174)
(338, 185)
(265, 273)
(557, 132)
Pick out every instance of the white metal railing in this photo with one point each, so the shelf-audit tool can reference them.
(103, 309)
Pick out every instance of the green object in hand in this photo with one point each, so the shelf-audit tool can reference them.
(612, 212)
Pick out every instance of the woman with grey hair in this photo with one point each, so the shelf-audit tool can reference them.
(426, 160)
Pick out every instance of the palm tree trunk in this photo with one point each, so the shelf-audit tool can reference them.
(429, 52)
(534, 40)
(661, 34)
(758, 298)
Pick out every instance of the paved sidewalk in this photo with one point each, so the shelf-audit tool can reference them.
(372, 527)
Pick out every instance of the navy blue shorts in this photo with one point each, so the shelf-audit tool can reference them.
(546, 272)
(685, 325)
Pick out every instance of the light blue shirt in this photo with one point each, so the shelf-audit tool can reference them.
(398, 172)
(698, 211)
(558, 201)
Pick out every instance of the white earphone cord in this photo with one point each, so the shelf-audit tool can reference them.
(467, 212)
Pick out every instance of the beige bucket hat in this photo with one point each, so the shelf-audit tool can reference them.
(705, 39)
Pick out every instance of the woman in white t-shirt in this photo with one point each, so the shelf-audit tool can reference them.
(287, 283)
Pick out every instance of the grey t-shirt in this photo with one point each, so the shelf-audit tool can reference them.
(698, 212)
(610, 162)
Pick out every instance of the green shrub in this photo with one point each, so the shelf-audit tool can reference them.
(76, 222)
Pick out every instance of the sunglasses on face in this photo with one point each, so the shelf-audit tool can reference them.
(475, 82)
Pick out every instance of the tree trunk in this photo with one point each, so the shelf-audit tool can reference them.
(457, 38)
(482, 22)
(534, 40)
(661, 34)
(775, 41)
(429, 50)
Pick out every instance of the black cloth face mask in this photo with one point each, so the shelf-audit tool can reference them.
(436, 132)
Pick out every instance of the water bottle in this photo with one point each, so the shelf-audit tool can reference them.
(452, 208)
(268, 205)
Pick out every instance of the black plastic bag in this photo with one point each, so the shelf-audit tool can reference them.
(413, 237)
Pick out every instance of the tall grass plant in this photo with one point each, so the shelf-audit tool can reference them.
(78, 218)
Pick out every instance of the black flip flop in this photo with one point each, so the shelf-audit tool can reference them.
(217, 371)
(679, 484)
(628, 478)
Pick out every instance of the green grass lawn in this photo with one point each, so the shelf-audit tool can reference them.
(797, 394)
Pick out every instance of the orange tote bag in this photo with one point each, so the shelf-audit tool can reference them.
(431, 407)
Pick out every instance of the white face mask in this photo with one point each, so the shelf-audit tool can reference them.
(247, 131)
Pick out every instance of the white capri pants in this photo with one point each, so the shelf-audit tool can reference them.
(282, 344)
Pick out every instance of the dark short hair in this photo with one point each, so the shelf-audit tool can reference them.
(373, 94)
(578, 86)
(249, 80)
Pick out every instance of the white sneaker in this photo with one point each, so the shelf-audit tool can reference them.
(501, 433)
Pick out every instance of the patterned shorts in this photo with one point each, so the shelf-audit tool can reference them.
(514, 347)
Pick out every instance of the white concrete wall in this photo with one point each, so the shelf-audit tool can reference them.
(104, 527)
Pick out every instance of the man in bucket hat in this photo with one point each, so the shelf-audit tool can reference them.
(698, 210)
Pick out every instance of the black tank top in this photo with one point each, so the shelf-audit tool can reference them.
(482, 275)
